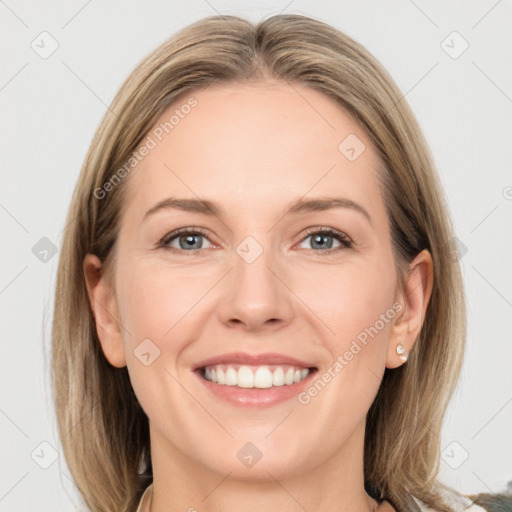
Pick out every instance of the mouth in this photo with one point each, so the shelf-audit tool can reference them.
(254, 380)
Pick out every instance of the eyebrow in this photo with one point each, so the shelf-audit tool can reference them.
(211, 208)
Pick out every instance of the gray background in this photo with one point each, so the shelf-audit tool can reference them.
(50, 108)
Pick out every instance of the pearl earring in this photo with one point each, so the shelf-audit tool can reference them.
(400, 350)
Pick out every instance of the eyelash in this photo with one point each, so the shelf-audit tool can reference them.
(346, 242)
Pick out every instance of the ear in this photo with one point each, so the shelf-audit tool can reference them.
(414, 298)
(104, 307)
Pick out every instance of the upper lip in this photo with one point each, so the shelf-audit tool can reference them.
(253, 360)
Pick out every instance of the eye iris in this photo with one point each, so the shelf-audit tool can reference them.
(189, 241)
(320, 239)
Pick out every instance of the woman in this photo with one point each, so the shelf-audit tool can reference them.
(257, 304)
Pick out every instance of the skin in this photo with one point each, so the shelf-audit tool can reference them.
(254, 148)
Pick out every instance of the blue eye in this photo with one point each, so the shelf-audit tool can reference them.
(190, 241)
(323, 240)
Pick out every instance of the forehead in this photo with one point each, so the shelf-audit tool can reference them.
(248, 143)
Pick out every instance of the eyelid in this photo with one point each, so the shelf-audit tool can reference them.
(185, 230)
(327, 230)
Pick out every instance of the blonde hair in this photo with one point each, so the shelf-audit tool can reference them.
(103, 428)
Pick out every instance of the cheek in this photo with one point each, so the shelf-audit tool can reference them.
(160, 304)
(156, 310)
(356, 302)
(155, 300)
(349, 298)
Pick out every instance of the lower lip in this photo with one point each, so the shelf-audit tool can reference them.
(256, 397)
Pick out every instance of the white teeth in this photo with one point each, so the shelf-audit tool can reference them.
(255, 377)
(263, 378)
(278, 377)
(245, 377)
(231, 377)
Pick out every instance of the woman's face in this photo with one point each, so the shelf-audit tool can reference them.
(255, 278)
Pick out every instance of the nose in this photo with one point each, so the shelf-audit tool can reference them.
(256, 295)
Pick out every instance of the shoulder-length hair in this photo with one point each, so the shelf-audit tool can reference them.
(103, 429)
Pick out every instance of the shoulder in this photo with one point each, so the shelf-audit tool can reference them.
(459, 502)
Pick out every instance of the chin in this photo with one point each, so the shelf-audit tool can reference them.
(256, 462)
